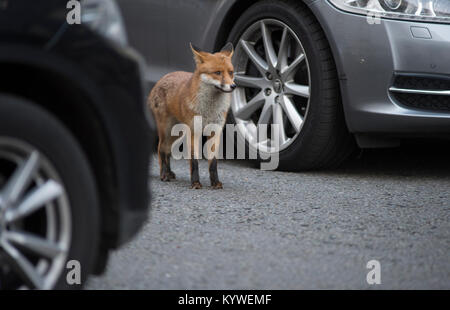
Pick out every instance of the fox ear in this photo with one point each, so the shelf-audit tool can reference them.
(228, 49)
(198, 55)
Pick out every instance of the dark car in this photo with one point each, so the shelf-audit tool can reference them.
(333, 71)
(75, 142)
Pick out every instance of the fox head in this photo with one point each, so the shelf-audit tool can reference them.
(216, 69)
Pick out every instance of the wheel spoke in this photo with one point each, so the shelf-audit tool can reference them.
(265, 143)
(22, 267)
(266, 113)
(252, 131)
(271, 56)
(278, 120)
(283, 51)
(20, 179)
(249, 81)
(35, 200)
(35, 244)
(292, 113)
(290, 70)
(297, 89)
(260, 64)
(247, 110)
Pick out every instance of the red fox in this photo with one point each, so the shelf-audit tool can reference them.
(179, 96)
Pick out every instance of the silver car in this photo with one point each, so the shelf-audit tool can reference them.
(334, 72)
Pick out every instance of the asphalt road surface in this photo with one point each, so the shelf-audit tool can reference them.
(314, 230)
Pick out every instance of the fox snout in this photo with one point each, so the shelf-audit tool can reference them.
(221, 85)
(227, 88)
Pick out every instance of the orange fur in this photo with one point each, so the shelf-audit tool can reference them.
(179, 96)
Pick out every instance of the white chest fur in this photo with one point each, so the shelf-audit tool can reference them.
(212, 104)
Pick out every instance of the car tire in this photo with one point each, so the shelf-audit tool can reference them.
(322, 139)
(69, 224)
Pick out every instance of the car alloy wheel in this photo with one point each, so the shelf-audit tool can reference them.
(273, 76)
(35, 217)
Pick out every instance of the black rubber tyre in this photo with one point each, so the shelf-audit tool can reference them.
(324, 141)
(25, 121)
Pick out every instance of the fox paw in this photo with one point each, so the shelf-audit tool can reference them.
(217, 185)
(167, 176)
(196, 185)
(172, 175)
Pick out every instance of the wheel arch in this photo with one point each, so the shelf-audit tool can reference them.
(72, 104)
(230, 18)
(235, 11)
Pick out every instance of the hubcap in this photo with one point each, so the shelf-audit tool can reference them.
(35, 218)
(278, 86)
(273, 79)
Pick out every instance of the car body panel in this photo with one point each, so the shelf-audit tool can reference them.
(367, 61)
(367, 55)
(36, 35)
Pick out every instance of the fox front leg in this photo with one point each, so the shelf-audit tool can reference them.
(212, 161)
(195, 177)
(195, 153)
(213, 175)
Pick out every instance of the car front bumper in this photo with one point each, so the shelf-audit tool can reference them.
(370, 53)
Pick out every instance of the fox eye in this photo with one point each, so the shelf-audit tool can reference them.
(218, 72)
(231, 72)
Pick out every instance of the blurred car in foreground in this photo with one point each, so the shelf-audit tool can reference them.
(332, 70)
(75, 141)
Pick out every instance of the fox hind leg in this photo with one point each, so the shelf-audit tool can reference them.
(212, 162)
(165, 172)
